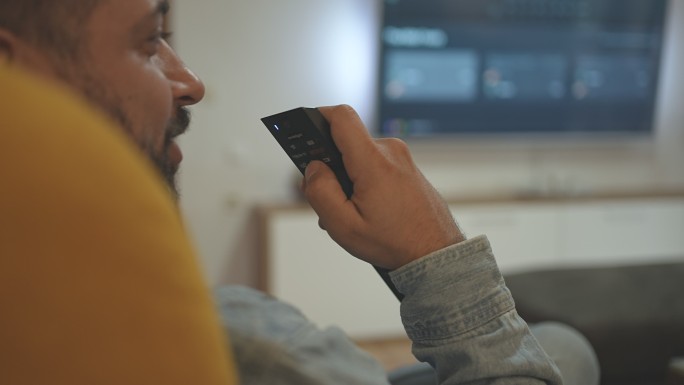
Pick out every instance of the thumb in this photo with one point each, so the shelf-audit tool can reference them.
(325, 195)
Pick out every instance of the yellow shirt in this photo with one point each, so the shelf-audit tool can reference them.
(99, 283)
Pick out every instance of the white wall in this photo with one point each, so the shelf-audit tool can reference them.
(259, 57)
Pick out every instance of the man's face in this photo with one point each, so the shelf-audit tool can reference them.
(126, 68)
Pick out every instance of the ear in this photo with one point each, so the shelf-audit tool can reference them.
(18, 52)
(7, 46)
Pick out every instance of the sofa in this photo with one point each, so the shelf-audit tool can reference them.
(633, 315)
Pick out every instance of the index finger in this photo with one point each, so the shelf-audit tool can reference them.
(348, 131)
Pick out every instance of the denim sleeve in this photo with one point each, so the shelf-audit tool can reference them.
(275, 344)
(462, 320)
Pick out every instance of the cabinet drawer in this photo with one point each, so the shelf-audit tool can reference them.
(523, 236)
(308, 270)
(622, 232)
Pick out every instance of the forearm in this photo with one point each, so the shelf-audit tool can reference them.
(462, 320)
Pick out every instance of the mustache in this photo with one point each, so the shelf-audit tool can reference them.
(179, 124)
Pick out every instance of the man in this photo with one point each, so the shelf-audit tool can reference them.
(120, 63)
(456, 310)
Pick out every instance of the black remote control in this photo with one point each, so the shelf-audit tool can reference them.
(304, 134)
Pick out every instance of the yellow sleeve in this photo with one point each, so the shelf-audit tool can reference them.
(99, 283)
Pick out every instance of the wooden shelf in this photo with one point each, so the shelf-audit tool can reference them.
(530, 197)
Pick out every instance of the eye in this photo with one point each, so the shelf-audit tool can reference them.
(159, 36)
(152, 43)
(166, 35)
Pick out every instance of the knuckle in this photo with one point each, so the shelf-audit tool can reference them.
(394, 146)
(312, 189)
(395, 155)
(399, 147)
(344, 112)
(345, 108)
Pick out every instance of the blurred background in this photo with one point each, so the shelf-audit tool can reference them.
(260, 57)
(556, 127)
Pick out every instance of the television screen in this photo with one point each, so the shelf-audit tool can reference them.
(490, 67)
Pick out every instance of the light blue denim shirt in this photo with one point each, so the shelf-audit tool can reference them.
(457, 311)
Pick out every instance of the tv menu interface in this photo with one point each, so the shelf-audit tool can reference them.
(519, 66)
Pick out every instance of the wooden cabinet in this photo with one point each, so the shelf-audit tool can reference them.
(301, 265)
(523, 235)
(599, 233)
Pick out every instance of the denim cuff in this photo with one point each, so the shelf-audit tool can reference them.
(452, 291)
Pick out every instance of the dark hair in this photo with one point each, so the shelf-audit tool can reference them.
(54, 25)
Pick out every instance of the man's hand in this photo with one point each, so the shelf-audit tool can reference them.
(394, 216)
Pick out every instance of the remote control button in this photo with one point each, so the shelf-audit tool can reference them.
(296, 146)
(295, 136)
(317, 151)
(299, 155)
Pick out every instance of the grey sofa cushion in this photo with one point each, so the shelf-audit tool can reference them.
(632, 315)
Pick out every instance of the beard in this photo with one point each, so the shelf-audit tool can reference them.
(176, 126)
(76, 74)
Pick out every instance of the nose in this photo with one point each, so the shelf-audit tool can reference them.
(186, 87)
(189, 89)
